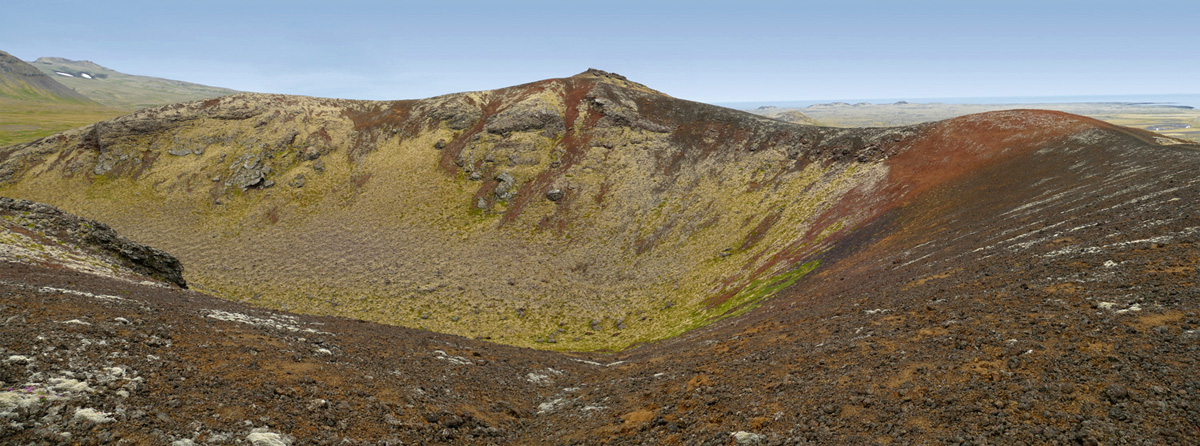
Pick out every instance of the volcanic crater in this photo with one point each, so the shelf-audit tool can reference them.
(702, 275)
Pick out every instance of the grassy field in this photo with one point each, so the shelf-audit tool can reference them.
(22, 121)
(1190, 118)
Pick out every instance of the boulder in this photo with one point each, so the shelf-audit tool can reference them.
(507, 187)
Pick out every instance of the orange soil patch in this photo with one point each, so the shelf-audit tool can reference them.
(639, 417)
(923, 280)
(1064, 288)
(698, 381)
(1154, 320)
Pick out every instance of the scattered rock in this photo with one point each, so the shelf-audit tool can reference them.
(92, 415)
(264, 437)
(742, 437)
(310, 153)
(506, 189)
(248, 171)
(1116, 392)
(179, 151)
(554, 194)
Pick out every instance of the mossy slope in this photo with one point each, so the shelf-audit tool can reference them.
(578, 213)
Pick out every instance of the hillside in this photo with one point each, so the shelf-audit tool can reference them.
(1046, 295)
(785, 114)
(570, 213)
(580, 213)
(21, 81)
(1019, 276)
(123, 91)
(33, 105)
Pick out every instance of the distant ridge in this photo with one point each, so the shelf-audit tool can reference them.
(21, 81)
(125, 91)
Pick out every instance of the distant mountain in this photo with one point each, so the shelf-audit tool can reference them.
(119, 90)
(21, 81)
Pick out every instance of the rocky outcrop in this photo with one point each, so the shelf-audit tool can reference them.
(456, 111)
(534, 114)
(96, 237)
(249, 171)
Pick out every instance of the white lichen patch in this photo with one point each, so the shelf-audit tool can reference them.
(539, 379)
(439, 354)
(264, 437)
(1116, 308)
(19, 359)
(92, 415)
(34, 394)
(276, 321)
(743, 437)
(15, 399)
(546, 377)
(70, 386)
(552, 405)
(108, 297)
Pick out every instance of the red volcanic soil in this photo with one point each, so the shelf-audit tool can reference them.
(1026, 277)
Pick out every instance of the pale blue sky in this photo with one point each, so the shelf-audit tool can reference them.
(699, 50)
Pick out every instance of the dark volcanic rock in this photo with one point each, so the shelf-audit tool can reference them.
(533, 114)
(248, 171)
(98, 237)
(507, 187)
(457, 114)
